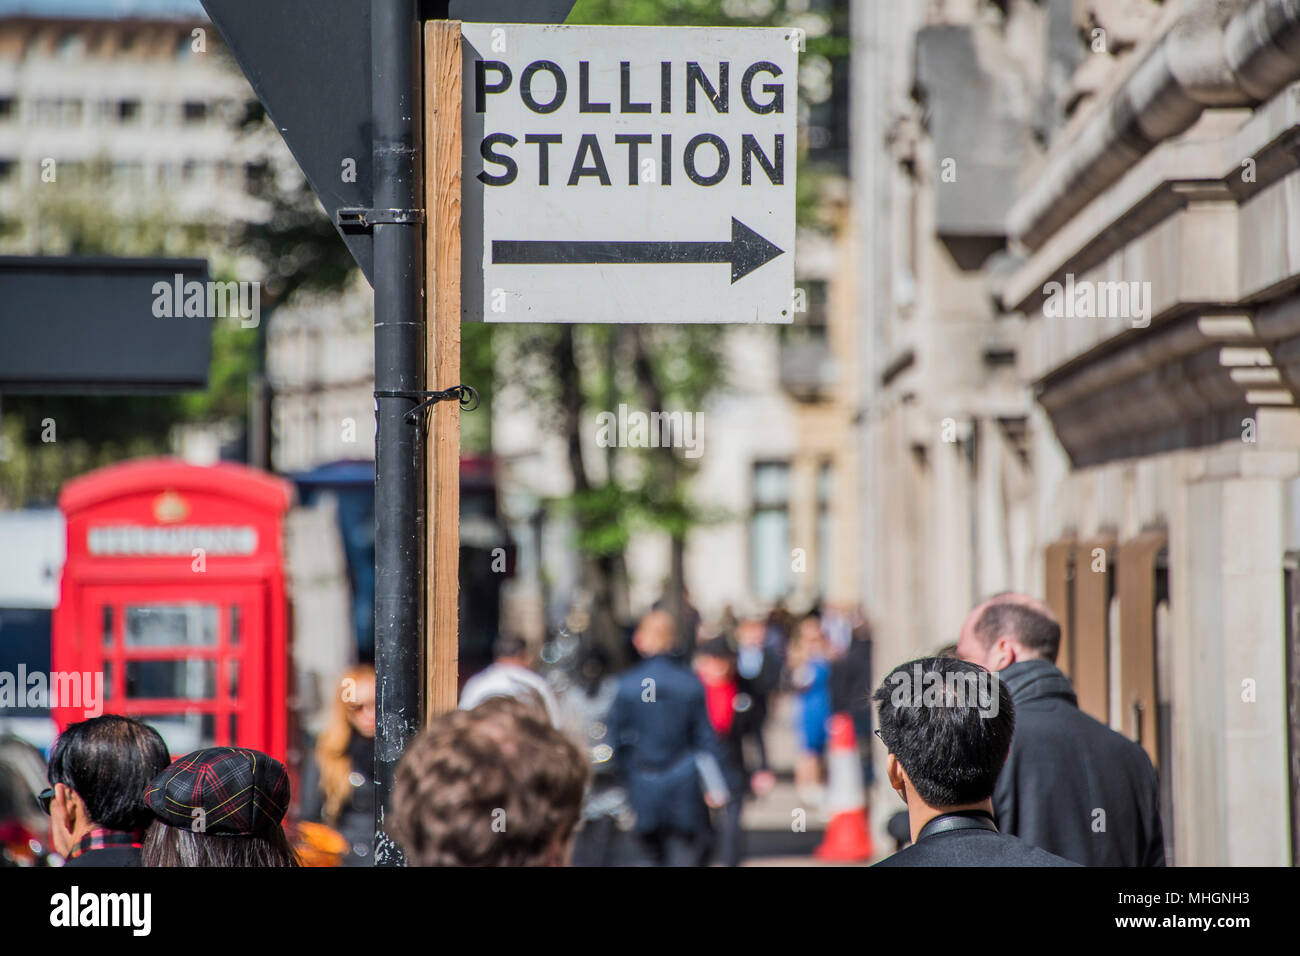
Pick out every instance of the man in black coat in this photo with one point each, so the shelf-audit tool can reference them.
(758, 674)
(98, 772)
(1071, 785)
(948, 727)
(667, 755)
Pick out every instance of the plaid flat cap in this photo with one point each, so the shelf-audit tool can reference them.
(228, 791)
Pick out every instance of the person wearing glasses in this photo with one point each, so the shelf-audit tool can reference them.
(98, 772)
(947, 726)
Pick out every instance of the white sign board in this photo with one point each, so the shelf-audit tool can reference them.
(628, 174)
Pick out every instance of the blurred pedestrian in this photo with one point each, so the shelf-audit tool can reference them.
(715, 665)
(668, 756)
(810, 676)
(1064, 765)
(493, 786)
(851, 692)
(338, 789)
(728, 622)
(780, 627)
(690, 622)
(947, 742)
(758, 675)
(219, 807)
(584, 709)
(837, 624)
(98, 770)
(509, 675)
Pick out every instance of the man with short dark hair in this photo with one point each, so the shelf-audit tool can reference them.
(1071, 784)
(98, 772)
(948, 727)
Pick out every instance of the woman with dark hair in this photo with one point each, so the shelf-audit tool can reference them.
(222, 806)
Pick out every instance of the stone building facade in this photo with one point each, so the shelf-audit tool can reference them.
(1090, 394)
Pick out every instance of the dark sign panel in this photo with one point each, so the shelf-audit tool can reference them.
(112, 325)
(309, 62)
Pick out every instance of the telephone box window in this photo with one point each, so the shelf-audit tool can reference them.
(185, 679)
(183, 733)
(108, 626)
(234, 625)
(186, 625)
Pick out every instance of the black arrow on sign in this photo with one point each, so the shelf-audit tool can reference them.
(746, 251)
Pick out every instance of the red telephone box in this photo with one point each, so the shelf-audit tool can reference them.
(173, 588)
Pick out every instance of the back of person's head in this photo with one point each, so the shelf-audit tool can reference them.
(751, 630)
(949, 724)
(492, 786)
(220, 806)
(1022, 620)
(656, 634)
(717, 648)
(108, 761)
(509, 647)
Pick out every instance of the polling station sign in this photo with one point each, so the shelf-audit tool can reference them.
(628, 174)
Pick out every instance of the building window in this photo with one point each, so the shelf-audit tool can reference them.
(128, 111)
(8, 109)
(128, 174)
(72, 46)
(257, 177)
(194, 111)
(769, 531)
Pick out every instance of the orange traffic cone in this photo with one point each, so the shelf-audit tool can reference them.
(848, 838)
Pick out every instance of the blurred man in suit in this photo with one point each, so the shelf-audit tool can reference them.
(947, 726)
(758, 675)
(666, 752)
(1071, 785)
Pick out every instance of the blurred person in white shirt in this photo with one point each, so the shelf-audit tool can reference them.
(510, 676)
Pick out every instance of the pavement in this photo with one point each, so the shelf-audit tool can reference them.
(772, 836)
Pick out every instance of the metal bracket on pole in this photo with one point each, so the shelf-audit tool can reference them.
(359, 218)
(465, 394)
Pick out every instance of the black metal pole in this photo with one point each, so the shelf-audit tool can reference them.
(399, 365)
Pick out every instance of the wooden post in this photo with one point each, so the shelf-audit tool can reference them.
(442, 160)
